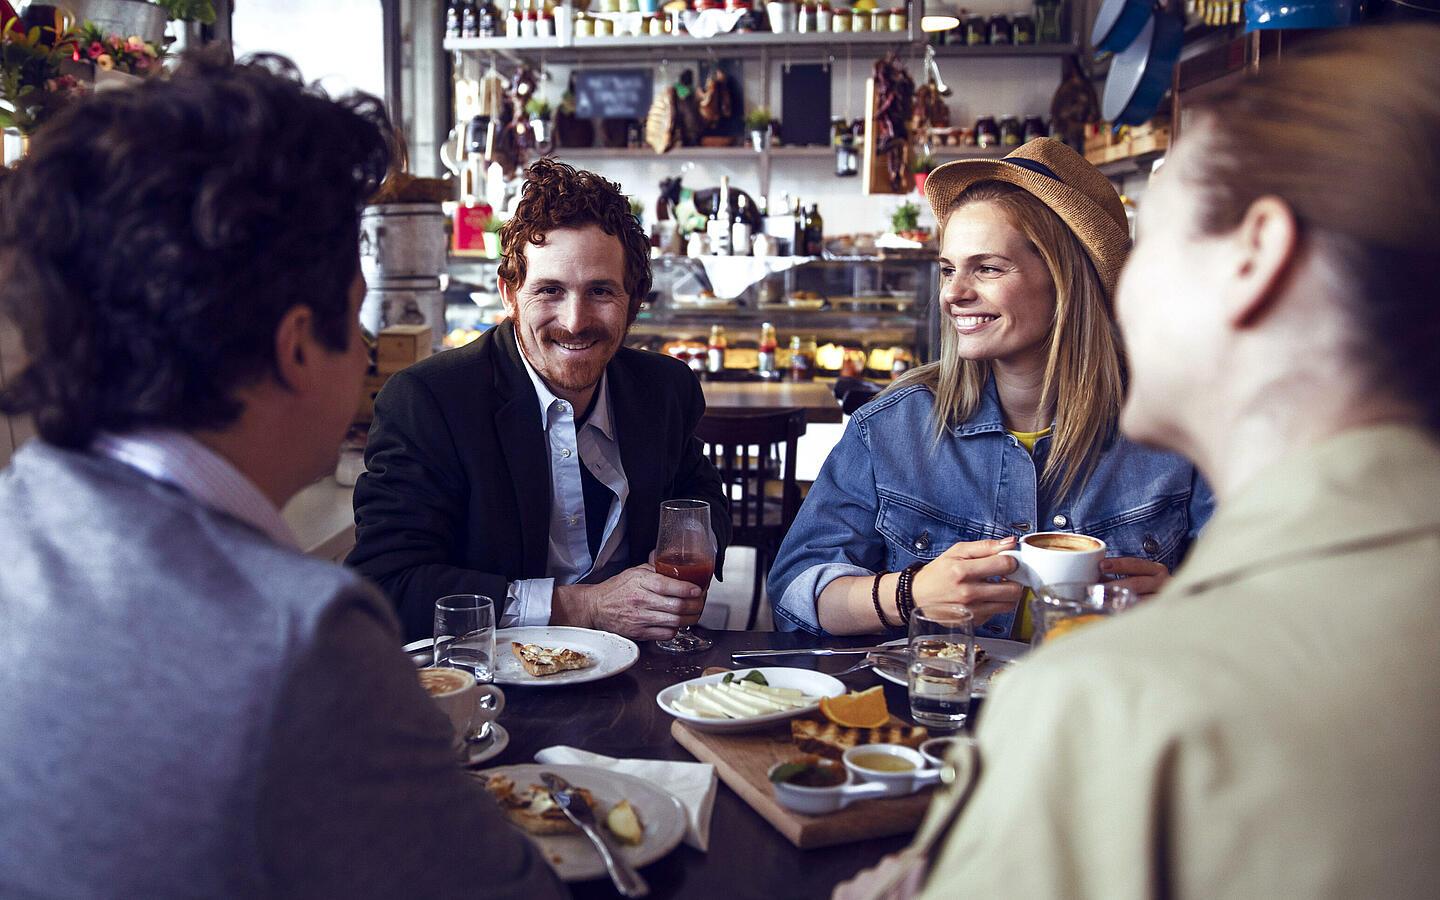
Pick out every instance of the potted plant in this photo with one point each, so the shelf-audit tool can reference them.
(492, 237)
(923, 165)
(32, 87)
(117, 60)
(141, 17)
(758, 122)
(905, 222)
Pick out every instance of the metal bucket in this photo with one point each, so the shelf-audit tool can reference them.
(402, 240)
(121, 17)
(405, 301)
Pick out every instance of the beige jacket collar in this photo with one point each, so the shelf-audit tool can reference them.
(1360, 486)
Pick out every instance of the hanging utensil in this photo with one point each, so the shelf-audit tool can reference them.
(1140, 73)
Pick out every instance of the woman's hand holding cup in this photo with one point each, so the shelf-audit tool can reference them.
(1143, 576)
(963, 573)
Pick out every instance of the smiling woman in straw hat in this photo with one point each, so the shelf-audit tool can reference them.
(1012, 431)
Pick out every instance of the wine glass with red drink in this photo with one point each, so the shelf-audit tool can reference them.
(685, 551)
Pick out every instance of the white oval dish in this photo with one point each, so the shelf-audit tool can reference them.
(815, 684)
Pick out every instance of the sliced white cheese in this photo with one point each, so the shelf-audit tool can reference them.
(775, 693)
(737, 705)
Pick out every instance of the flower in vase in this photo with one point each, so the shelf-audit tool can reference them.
(135, 44)
(96, 49)
(105, 62)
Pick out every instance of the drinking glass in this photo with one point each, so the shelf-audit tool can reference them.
(685, 550)
(1059, 608)
(465, 635)
(941, 663)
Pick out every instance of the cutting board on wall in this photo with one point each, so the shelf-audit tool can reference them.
(743, 760)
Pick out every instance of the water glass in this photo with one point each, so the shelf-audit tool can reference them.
(941, 663)
(465, 635)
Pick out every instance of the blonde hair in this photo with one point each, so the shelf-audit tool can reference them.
(1084, 370)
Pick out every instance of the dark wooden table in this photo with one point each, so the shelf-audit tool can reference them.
(618, 717)
(817, 398)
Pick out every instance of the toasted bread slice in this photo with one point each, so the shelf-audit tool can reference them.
(541, 661)
(830, 740)
(532, 809)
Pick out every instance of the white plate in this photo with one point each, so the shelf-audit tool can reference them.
(998, 654)
(816, 684)
(573, 857)
(612, 654)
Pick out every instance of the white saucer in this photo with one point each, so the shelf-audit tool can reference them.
(499, 740)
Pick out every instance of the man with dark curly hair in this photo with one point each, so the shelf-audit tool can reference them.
(188, 705)
(530, 466)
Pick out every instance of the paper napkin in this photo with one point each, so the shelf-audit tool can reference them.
(692, 783)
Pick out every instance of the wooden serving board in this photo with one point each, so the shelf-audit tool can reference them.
(743, 760)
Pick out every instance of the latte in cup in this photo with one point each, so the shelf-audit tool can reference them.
(444, 681)
(1075, 543)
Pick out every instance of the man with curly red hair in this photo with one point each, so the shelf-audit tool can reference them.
(529, 467)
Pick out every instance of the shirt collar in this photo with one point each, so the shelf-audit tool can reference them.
(599, 416)
(181, 461)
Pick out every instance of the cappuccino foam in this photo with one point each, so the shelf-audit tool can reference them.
(443, 681)
(1074, 543)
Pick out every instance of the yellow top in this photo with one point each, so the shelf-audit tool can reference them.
(1027, 440)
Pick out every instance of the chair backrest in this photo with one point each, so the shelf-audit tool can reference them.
(745, 448)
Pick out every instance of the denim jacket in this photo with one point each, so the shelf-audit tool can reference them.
(888, 496)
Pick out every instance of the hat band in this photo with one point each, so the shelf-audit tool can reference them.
(1032, 165)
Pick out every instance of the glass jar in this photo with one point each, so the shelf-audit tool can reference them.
(987, 133)
(1047, 21)
(879, 19)
(976, 33)
(654, 26)
(805, 18)
(840, 21)
(1035, 128)
(1010, 131)
(824, 18)
(899, 21)
(545, 27)
(802, 358)
(604, 28)
(1022, 29)
(1000, 32)
(859, 20)
(584, 25)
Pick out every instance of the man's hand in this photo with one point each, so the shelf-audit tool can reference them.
(639, 603)
(962, 575)
(897, 876)
(1143, 576)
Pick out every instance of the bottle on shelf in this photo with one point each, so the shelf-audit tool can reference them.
(489, 21)
(797, 241)
(814, 232)
(470, 19)
(802, 358)
(768, 346)
(715, 352)
(739, 229)
(454, 18)
(717, 228)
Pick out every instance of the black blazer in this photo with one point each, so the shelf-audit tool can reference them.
(456, 496)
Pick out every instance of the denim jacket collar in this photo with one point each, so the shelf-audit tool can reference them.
(989, 417)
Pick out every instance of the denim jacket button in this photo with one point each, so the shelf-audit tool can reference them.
(1060, 521)
(1150, 545)
(922, 542)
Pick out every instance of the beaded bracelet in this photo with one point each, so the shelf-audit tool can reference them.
(904, 592)
(875, 598)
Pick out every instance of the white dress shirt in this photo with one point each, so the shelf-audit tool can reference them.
(568, 559)
(181, 461)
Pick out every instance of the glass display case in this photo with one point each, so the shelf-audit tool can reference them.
(877, 310)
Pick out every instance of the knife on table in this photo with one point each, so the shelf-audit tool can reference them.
(817, 651)
(627, 881)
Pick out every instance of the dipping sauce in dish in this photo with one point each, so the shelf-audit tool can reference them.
(882, 762)
(811, 771)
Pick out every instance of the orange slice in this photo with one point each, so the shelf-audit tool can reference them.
(866, 709)
(1064, 626)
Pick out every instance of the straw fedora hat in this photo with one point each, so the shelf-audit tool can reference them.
(1064, 181)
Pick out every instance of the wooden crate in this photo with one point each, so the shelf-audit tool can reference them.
(401, 345)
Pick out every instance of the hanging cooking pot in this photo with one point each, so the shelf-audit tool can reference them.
(1265, 15)
(1140, 74)
(1118, 23)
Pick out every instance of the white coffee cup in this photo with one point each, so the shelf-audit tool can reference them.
(1056, 557)
(457, 693)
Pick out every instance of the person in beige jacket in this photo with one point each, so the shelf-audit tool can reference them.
(1267, 726)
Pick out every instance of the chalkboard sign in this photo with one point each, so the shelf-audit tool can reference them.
(613, 93)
